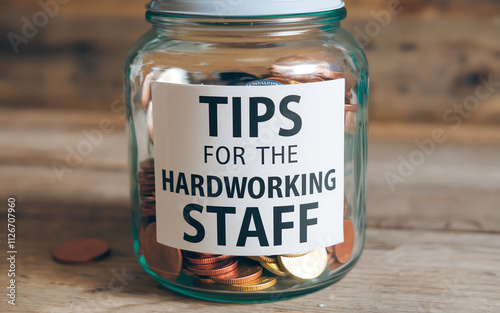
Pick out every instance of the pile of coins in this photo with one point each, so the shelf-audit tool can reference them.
(251, 273)
(227, 272)
(147, 191)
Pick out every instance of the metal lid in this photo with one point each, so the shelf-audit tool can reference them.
(243, 7)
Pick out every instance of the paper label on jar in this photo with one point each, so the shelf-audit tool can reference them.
(249, 170)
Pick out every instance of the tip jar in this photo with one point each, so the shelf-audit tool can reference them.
(247, 129)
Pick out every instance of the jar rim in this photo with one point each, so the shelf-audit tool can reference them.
(243, 8)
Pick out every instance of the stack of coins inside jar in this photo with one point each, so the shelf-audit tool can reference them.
(242, 273)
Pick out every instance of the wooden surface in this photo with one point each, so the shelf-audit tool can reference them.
(423, 61)
(432, 246)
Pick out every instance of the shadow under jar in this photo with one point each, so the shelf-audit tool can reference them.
(247, 128)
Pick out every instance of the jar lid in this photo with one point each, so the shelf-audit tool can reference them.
(243, 7)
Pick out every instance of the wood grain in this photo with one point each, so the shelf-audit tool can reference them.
(400, 271)
(425, 60)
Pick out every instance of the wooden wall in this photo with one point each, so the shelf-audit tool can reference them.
(427, 58)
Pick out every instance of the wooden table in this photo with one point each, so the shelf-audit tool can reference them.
(433, 245)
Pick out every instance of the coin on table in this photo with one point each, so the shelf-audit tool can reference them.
(163, 260)
(80, 250)
(306, 267)
(260, 283)
(343, 250)
(243, 274)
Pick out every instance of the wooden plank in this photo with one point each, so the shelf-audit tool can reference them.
(400, 271)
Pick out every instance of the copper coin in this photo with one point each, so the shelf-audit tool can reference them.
(346, 205)
(148, 212)
(343, 250)
(212, 268)
(283, 80)
(146, 176)
(205, 280)
(143, 181)
(330, 250)
(148, 199)
(351, 108)
(306, 69)
(147, 164)
(243, 274)
(146, 89)
(330, 75)
(335, 265)
(204, 255)
(191, 257)
(80, 250)
(309, 78)
(161, 258)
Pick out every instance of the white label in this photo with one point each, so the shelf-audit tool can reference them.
(249, 170)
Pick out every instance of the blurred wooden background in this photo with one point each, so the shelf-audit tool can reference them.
(427, 58)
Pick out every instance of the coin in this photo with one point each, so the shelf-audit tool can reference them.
(260, 283)
(306, 69)
(148, 212)
(350, 120)
(196, 259)
(147, 164)
(163, 260)
(273, 268)
(205, 280)
(268, 258)
(306, 267)
(146, 89)
(80, 250)
(351, 108)
(346, 205)
(329, 250)
(264, 258)
(343, 250)
(212, 268)
(243, 274)
(334, 265)
(295, 255)
(283, 80)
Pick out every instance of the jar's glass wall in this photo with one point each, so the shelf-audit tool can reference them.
(206, 51)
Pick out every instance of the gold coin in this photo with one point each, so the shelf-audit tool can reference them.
(295, 255)
(263, 258)
(260, 283)
(306, 267)
(273, 268)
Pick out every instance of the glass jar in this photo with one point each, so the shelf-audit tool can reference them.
(248, 172)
